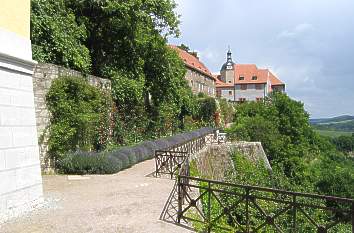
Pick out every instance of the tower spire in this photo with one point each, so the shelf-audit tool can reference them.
(229, 55)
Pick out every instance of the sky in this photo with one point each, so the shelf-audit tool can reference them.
(308, 44)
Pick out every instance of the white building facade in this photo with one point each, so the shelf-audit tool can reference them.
(20, 175)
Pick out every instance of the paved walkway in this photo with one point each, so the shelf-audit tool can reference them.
(126, 202)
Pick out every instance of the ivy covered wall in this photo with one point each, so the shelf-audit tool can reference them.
(44, 75)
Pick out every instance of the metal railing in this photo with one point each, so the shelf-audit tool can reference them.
(226, 207)
(216, 138)
(169, 161)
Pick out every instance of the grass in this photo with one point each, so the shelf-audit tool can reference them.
(333, 134)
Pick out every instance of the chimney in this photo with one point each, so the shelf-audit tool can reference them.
(195, 54)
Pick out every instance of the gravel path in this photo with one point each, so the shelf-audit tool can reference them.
(122, 203)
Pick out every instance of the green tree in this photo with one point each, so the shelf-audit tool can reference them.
(57, 37)
(227, 111)
(344, 143)
(118, 30)
(184, 47)
(304, 157)
(206, 109)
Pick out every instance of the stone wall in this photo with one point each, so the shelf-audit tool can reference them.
(253, 151)
(214, 161)
(200, 82)
(43, 76)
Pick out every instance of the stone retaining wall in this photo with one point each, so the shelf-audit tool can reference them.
(215, 161)
(43, 76)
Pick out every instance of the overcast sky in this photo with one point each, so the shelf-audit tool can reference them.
(309, 44)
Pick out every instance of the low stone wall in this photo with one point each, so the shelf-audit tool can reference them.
(214, 161)
(43, 76)
(253, 151)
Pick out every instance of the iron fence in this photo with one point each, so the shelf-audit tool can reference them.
(226, 207)
(169, 161)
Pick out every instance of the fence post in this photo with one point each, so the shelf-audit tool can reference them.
(170, 164)
(209, 207)
(179, 212)
(352, 217)
(247, 211)
(294, 214)
(156, 165)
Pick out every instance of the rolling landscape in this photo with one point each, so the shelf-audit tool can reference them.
(335, 126)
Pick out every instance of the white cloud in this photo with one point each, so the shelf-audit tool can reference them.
(299, 30)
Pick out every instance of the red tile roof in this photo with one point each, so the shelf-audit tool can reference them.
(274, 80)
(192, 62)
(248, 71)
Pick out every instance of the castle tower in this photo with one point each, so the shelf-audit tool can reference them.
(228, 69)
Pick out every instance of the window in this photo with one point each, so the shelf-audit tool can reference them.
(244, 87)
(259, 99)
(254, 77)
(259, 86)
(229, 81)
(242, 100)
(241, 78)
(230, 92)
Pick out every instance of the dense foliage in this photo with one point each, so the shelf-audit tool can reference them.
(57, 37)
(125, 41)
(301, 161)
(227, 111)
(344, 143)
(80, 116)
(293, 147)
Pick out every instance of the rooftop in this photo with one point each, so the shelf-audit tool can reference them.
(251, 74)
(192, 62)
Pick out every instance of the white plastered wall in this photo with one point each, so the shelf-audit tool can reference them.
(20, 176)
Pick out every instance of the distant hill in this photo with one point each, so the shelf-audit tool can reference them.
(340, 123)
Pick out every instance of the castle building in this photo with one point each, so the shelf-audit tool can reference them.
(20, 174)
(198, 76)
(245, 82)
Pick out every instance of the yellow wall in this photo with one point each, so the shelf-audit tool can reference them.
(15, 16)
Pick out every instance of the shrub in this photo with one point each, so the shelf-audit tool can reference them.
(80, 116)
(110, 162)
(88, 163)
(206, 109)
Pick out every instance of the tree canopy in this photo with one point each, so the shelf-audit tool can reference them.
(57, 37)
(293, 147)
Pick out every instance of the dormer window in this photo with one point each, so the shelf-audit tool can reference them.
(254, 77)
(241, 78)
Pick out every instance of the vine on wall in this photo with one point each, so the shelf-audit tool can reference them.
(80, 116)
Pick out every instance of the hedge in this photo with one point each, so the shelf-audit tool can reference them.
(122, 158)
